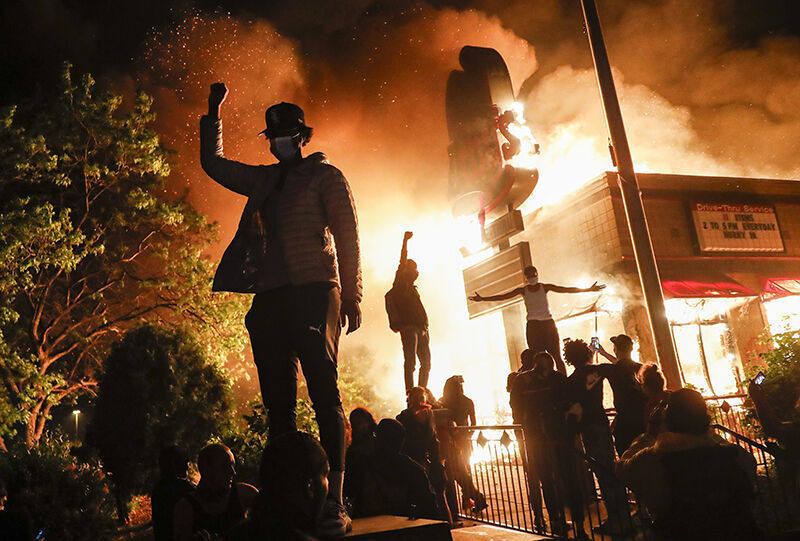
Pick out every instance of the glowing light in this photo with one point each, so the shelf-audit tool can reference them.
(468, 234)
(491, 450)
(783, 314)
(528, 155)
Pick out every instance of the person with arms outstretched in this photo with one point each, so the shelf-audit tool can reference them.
(541, 331)
(297, 250)
(407, 316)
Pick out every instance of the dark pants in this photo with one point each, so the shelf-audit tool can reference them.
(416, 343)
(542, 335)
(626, 429)
(599, 447)
(300, 322)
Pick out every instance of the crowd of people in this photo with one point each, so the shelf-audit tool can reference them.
(692, 484)
(407, 466)
(297, 251)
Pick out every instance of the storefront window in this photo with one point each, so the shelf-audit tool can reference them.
(783, 314)
(704, 344)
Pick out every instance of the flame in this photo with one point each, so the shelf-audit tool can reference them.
(783, 314)
(528, 155)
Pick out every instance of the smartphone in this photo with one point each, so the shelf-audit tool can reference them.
(595, 343)
(759, 379)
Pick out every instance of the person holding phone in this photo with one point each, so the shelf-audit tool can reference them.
(630, 400)
(541, 331)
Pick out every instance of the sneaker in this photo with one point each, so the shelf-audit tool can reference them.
(480, 504)
(614, 527)
(334, 522)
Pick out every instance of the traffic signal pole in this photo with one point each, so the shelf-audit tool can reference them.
(632, 201)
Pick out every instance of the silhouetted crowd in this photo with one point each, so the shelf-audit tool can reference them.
(406, 466)
(691, 483)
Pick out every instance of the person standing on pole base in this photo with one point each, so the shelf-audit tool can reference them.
(541, 331)
(407, 316)
(304, 289)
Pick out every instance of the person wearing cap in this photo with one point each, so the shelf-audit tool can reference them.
(407, 316)
(297, 250)
(630, 400)
(540, 331)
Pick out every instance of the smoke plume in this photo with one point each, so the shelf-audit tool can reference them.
(372, 84)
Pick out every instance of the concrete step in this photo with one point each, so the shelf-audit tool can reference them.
(392, 528)
(484, 532)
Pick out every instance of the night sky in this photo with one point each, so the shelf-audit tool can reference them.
(106, 36)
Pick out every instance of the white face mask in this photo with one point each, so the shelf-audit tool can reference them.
(284, 148)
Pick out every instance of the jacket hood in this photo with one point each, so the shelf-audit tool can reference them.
(317, 158)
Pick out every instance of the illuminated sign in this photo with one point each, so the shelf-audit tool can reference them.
(497, 274)
(736, 228)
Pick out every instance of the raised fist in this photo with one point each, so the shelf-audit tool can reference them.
(408, 235)
(217, 94)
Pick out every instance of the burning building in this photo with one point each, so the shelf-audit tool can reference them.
(728, 255)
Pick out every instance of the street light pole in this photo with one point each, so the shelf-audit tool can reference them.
(76, 413)
(632, 202)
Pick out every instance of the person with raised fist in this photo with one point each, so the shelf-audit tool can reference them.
(297, 251)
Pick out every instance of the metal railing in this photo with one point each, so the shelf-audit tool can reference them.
(729, 411)
(497, 461)
(777, 508)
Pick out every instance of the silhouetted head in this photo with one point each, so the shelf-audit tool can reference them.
(415, 397)
(173, 462)
(526, 358)
(362, 423)
(531, 275)
(686, 412)
(652, 380)
(294, 478)
(217, 467)
(623, 346)
(544, 362)
(390, 436)
(577, 353)
(286, 130)
(409, 272)
(453, 387)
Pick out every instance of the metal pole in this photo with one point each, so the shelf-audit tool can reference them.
(632, 201)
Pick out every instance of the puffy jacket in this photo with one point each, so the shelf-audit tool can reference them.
(317, 210)
(404, 307)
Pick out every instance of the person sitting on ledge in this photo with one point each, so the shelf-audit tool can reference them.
(218, 503)
(393, 484)
(695, 485)
(294, 488)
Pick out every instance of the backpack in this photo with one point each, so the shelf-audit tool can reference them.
(392, 311)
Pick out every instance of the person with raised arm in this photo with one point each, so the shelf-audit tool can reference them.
(407, 316)
(297, 250)
(541, 331)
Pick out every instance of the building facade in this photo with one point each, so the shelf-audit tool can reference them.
(728, 253)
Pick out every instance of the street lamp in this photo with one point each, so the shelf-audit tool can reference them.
(76, 413)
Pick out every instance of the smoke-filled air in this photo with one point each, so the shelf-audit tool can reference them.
(372, 84)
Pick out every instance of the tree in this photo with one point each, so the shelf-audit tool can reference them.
(781, 366)
(89, 247)
(65, 498)
(158, 389)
